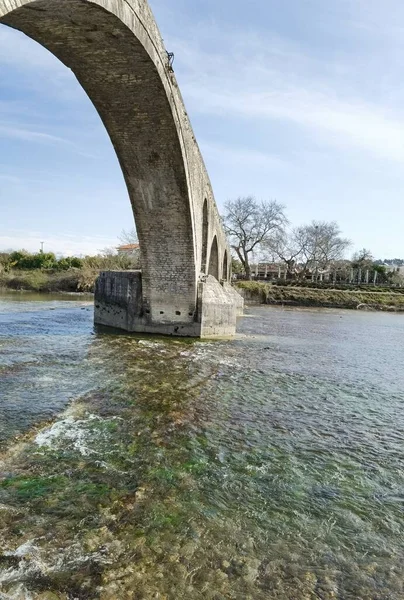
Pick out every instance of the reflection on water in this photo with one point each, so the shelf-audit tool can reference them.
(270, 466)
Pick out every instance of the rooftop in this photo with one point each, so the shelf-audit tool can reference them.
(129, 247)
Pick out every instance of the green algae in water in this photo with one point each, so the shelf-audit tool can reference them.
(27, 489)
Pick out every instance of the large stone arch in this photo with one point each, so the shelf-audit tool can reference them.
(116, 52)
(108, 47)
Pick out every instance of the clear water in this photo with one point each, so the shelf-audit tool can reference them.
(269, 466)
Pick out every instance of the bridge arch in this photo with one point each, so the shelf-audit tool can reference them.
(205, 235)
(225, 270)
(115, 50)
(214, 259)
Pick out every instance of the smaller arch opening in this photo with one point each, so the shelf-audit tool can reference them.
(225, 273)
(214, 259)
(205, 231)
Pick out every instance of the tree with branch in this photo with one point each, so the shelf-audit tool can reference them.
(250, 224)
(362, 259)
(286, 247)
(321, 244)
(129, 236)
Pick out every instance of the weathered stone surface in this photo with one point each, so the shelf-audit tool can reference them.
(118, 304)
(238, 299)
(118, 299)
(116, 52)
(218, 311)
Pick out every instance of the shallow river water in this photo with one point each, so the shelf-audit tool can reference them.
(270, 466)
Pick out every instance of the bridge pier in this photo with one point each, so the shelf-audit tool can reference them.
(119, 304)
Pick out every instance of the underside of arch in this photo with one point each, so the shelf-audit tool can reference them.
(126, 88)
(116, 53)
(214, 259)
(225, 273)
(205, 234)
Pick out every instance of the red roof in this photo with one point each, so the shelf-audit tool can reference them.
(129, 247)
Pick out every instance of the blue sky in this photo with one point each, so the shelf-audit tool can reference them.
(297, 100)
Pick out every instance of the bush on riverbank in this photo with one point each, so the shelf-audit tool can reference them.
(26, 261)
(73, 280)
(264, 293)
(42, 272)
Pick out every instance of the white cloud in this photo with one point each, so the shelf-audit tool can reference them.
(10, 179)
(19, 132)
(353, 124)
(240, 157)
(27, 135)
(272, 81)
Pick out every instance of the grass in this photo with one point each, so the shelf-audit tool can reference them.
(373, 298)
(72, 280)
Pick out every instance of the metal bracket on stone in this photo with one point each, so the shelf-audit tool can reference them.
(170, 57)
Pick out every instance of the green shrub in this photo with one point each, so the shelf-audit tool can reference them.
(69, 262)
(24, 260)
(31, 280)
(42, 272)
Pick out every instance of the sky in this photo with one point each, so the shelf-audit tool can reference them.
(301, 101)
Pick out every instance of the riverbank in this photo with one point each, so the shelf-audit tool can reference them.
(49, 281)
(256, 292)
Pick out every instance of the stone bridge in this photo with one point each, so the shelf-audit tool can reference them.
(115, 50)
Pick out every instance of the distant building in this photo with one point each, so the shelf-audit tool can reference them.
(269, 271)
(129, 250)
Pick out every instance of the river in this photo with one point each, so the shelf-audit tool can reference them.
(270, 466)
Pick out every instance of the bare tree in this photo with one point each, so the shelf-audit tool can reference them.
(362, 259)
(128, 236)
(397, 278)
(321, 244)
(286, 247)
(132, 258)
(249, 224)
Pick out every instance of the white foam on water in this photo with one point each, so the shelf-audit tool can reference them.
(34, 561)
(29, 564)
(208, 352)
(67, 429)
(149, 344)
(23, 550)
(76, 433)
(71, 430)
